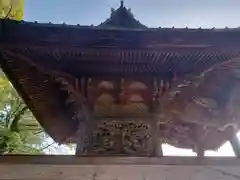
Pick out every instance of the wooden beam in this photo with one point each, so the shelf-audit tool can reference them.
(71, 167)
(235, 145)
(114, 172)
(116, 160)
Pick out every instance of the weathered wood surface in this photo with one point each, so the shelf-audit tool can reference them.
(122, 168)
(114, 172)
(117, 160)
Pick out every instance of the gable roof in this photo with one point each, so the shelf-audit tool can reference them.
(122, 18)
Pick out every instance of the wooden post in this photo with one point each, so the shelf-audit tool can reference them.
(235, 145)
(199, 133)
(80, 136)
(84, 131)
(157, 144)
(200, 150)
(84, 117)
(159, 151)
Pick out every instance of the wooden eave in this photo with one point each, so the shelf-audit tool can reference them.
(150, 50)
(95, 37)
(41, 96)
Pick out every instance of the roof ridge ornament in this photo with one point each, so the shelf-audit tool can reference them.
(121, 3)
(122, 18)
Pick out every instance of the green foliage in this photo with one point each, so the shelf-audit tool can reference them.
(19, 131)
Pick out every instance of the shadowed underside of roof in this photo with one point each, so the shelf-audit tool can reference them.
(41, 96)
(29, 69)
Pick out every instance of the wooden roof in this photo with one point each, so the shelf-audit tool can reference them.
(150, 50)
(122, 18)
(30, 50)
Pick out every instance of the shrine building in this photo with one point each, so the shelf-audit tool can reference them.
(121, 88)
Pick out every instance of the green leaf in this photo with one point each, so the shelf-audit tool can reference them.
(18, 126)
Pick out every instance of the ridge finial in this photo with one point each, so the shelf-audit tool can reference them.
(121, 3)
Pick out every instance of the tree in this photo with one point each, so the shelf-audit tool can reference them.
(12, 9)
(19, 130)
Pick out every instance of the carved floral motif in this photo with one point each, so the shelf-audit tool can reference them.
(122, 137)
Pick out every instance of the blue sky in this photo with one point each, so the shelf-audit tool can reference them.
(154, 13)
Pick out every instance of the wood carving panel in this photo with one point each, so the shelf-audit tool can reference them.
(179, 134)
(121, 98)
(122, 137)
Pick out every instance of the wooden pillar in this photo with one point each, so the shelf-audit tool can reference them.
(157, 144)
(155, 108)
(235, 145)
(159, 151)
(85, 120)
(200, 150)
(80, 139)
(199, 134)
(84, 133)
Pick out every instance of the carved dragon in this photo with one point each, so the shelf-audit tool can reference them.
(76, 98)
(209, 99)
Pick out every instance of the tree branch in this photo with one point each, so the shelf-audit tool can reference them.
(9, 12)
(13, 126)
(39, 132)
(47, 146)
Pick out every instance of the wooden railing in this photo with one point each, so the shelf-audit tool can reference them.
(18, 167)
